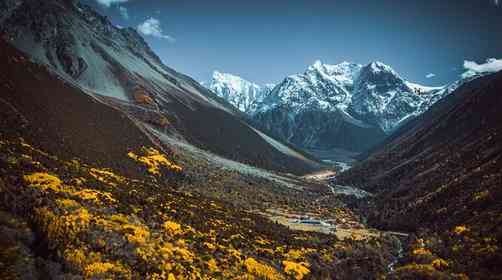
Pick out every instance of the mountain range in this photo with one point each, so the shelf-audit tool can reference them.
(346, 106)
(116, 166)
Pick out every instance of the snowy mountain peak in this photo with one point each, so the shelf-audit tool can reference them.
(342, 74)
(333, 69)
(317, 64)
(379, 67)
(343, 67)
(237, 91)
(236, 82)
(270, 86)
(222, 76)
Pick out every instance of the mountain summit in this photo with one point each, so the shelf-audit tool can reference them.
(244, 95)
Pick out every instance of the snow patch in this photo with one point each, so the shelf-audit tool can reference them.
(421, 88)
(350, 191)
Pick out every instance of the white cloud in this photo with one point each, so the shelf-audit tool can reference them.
(473, 68)
(430, 75)
(124, 12)
(151, 27)
(108, 3)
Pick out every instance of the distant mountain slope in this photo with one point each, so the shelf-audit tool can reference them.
(381, 97)
(318, 129)
(443, 170)
(408, 124)
(116, 65)
(347, 106)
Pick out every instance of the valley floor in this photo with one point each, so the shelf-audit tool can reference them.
(334, 155)
(342, 160)
(309, 215)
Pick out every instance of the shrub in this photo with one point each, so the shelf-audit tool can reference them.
(261, 270)
(154, 160)
(43, 181)
(296, 270)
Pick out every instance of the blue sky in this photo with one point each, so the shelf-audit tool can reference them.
(263, 41)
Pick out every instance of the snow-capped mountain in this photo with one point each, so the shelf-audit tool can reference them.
(346, 105)
(381, 97)
(312, 109)
(244, 95)
(322, 86)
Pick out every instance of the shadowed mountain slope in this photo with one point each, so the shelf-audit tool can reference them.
(62, 119)
(441, 177)
(448, 155)
(118, 67)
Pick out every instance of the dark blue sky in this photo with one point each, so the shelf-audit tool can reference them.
(264, 41)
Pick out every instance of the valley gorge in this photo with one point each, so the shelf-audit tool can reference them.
(114, 165)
